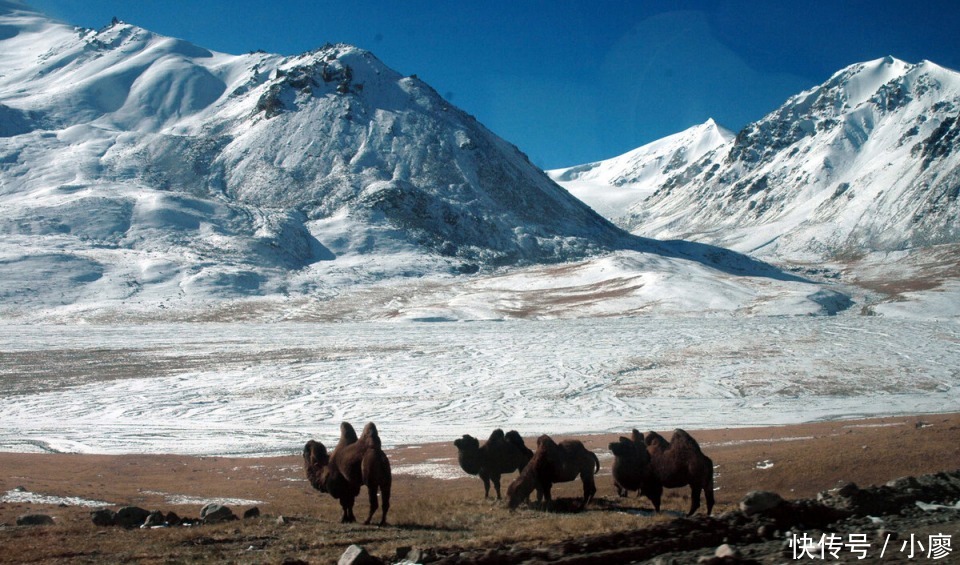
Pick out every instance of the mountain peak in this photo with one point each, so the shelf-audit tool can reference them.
(868, 160)
(210, 173)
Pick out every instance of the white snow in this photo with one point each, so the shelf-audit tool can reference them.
(613, 186)
(840, 169)
(22, 496)
(248, 389)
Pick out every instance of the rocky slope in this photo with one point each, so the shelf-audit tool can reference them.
(867, 161)
(613, 186)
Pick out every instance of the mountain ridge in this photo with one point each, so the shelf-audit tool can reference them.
(831, 172)
(141, 171)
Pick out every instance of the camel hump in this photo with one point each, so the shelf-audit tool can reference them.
(682, 438)
(514, 439)
(653, 438)
(621, 447)
(371, 435)
(637, 437)
(495, 436)
(348, 435)
(545, 442)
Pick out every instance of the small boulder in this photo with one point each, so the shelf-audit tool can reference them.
(409, 554)
(131, 517)
(251, 513)
(173, 519)
(104, 517)
(156, 519)
(214, 513)
(34, 520)
(356, 555)
(848, 490)
(759, 501)
(727, 551)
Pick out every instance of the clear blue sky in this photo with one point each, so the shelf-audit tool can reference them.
(574, 81)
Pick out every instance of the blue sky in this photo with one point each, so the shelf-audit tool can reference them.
(574, 81)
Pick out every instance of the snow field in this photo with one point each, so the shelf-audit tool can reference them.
(255, 389)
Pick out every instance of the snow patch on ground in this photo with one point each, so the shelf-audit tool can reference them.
(21, 496)
(433, 470)
(187, 500)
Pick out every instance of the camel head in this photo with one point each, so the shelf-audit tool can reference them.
(468, 454)
(520, 489)
(315, 460)
(623, 448)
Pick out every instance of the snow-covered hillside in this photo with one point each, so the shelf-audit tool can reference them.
(140, 173)
(856, 178)
(613, 186)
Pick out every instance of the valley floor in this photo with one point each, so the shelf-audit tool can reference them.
(435, 505)
(260, 389)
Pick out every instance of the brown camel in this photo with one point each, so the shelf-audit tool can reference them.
(631, 465)
(555, 463)
(355, 462)
(678, 463)
(500, 454)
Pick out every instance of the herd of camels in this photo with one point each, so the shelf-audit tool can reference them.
(646, 464)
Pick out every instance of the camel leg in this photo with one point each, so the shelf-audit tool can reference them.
(589, 488)
(385, 495)
(372, 495)
(694, 499)
(495, 479)
(621, 492)
(486, 485)
(654, 495)
(346, 503)
(547, 499)
(708, 493)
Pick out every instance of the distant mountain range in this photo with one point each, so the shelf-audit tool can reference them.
(867, 161)
(140, 171)
(858, 177)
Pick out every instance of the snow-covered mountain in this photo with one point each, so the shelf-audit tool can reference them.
(867, 161)
(122, 142)
(856, 178)
(140, 173)
(613, 186)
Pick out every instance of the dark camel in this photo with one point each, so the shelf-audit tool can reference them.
(355, 462)
(676, 463)
(555, 463)
(631, 465)
(500, 454)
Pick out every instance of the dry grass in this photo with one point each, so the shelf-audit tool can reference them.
(426, 512)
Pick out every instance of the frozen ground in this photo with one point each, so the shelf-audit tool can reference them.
(254, 389)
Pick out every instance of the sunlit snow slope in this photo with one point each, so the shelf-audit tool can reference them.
(857, 179)
(613, 186)
(140, 172)
(867, 161)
